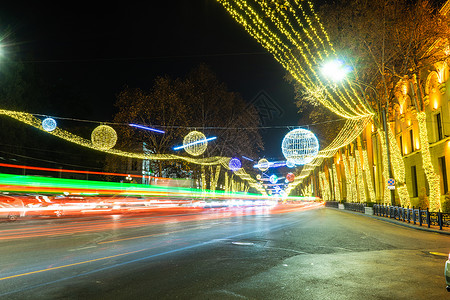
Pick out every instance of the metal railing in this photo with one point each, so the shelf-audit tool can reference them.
(413, 215)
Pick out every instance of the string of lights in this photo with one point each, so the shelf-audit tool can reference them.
(105, 139)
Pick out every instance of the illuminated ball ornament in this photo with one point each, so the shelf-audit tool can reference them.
(273, 179)
(49, 124)
(258, 176)
(290, 163)
(290, 177)
(192, 143)
(234, 164)
(300, 146)
(263, 164)
(104, 137)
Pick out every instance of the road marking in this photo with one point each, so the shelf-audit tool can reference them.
(242, 243)
(87, 247)
(74, 264)
(438, 253)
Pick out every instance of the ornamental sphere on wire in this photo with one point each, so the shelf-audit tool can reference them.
(192, 144)
(49, 124)
(300, 146)
(263, 164)
(234, 164)
(104, 137)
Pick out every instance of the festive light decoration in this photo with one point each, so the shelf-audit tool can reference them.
(337, 192)
(398, 170)
(353, 184)
(326, 194)
(234, 164)
(247, 158)
(368, 176)
(146, 128)
(273, 178)
(300, 146)
(195, 143)
(104, 137)
(361, 186)
(263, 164)
(31, 120)
(290, 163)
(432, 177)
(290, 177)
(296, 38)
(49, 124)
(387, 192)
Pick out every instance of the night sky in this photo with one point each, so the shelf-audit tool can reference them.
(98, 50)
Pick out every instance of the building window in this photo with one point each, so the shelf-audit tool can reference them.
(411, 138)
(415, 191)
(400, 140)
(439, 134)
(443, 173)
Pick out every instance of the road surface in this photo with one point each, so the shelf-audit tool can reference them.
(254, 253)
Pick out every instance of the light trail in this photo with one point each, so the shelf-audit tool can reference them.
(72, 171)
(162, 217)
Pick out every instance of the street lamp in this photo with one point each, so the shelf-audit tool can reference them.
(336, 71)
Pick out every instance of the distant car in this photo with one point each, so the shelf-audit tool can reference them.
(447, 273)
(11, 208)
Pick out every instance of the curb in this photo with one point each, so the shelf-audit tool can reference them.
(393, 221)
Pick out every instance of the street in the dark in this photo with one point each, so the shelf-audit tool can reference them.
(319, 253)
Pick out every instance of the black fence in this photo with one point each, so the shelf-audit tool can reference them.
(413, 215)
(333, 204)
(359, 207)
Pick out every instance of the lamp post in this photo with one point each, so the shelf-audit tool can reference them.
(337, 71)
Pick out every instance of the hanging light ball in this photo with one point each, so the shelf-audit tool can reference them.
(273, 178)
(290, 177)
(258, 176)
(263, 165)
(234, 164)
(192, 144)
(49, 124)
(290, 163)
(300, 146)
(104, 137)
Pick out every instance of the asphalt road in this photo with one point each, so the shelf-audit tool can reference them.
(318, 253)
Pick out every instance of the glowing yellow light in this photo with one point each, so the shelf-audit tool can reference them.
(435, 105)
(337, 192)
(192, 145)
(432, 177)
(263, 164)
(417, 145)
(361, 187)
(29, 119)
(368, 176)
(104, 137)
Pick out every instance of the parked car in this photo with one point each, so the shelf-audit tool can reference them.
(447, 273)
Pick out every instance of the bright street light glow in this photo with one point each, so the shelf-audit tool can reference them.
(335, 70)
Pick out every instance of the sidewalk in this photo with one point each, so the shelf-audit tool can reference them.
(424, 227)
